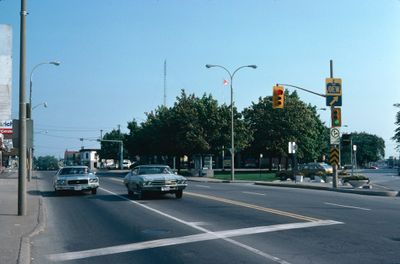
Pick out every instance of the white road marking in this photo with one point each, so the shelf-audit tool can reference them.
(255, 193)
(199, 223)
(206, 235)
(190, 239)
(381, 186)
(348, 206)
(202, 186)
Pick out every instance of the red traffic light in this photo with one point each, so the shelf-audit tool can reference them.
(278, 96)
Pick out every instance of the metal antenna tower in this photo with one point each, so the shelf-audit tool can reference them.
(165, 83)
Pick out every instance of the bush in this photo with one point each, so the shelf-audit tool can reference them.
(284, 175)
(358, 177)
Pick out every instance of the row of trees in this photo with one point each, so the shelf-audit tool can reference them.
(396, 136)
(199, 125)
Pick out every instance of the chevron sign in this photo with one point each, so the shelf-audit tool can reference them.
(334, 156)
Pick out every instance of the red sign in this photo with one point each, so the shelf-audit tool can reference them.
(6, 130)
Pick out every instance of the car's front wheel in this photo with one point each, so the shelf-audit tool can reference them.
(179, 194)
(139, 193)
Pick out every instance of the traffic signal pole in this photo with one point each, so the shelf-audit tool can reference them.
(333, 98)
(335, 167)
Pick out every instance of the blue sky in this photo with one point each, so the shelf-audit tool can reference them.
(113, 51)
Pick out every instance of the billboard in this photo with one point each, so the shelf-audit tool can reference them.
(5, 72)
(6, 127)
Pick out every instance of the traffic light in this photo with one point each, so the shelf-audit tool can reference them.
(278, 96)
(336, 117)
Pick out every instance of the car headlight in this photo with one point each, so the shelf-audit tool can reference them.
(93, 180)
(61, 182)
(147, 183)
(181, 181)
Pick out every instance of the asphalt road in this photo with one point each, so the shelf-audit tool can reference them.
(385, 178)
(217, 223)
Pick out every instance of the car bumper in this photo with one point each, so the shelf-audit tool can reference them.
(79, 187)
(164, 188)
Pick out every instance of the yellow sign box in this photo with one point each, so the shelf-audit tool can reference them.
(333, 86)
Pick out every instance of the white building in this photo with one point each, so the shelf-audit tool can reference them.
(5, 72)
(90, 158)
(5, 93)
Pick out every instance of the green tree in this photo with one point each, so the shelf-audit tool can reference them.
(370, 148)
(192, 126)
(45, 163)
(274, 128)
(396, 136)
(111, 150)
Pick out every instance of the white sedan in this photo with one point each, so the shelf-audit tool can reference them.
(154, 178)
(75, 178)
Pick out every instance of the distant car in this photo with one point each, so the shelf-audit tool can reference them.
(313, 168)
(75, 178)
(126, 164)
(372, 167)
(154, 178)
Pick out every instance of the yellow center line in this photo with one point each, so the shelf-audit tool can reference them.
(256, 207)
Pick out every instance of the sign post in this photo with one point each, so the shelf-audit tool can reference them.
(334, 98)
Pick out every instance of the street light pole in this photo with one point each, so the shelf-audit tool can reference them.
(232, 123)
(22, 115)
(29, 114)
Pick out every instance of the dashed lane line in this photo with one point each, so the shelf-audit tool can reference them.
(204, 236)
(255, 193)
(349, 206)
(247, 205)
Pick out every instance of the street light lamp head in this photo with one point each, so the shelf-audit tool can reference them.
(252, 66)
(209, 65)
(45, 104)
(57, 63)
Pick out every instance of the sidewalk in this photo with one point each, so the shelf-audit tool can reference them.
(375, 190)
(15, 231)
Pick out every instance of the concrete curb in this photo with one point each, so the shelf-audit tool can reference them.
(388, 193)
(24, 254)
(362, 192)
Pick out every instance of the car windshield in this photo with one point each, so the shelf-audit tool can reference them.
(72, 171)
(325, 166)
(154, 170)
